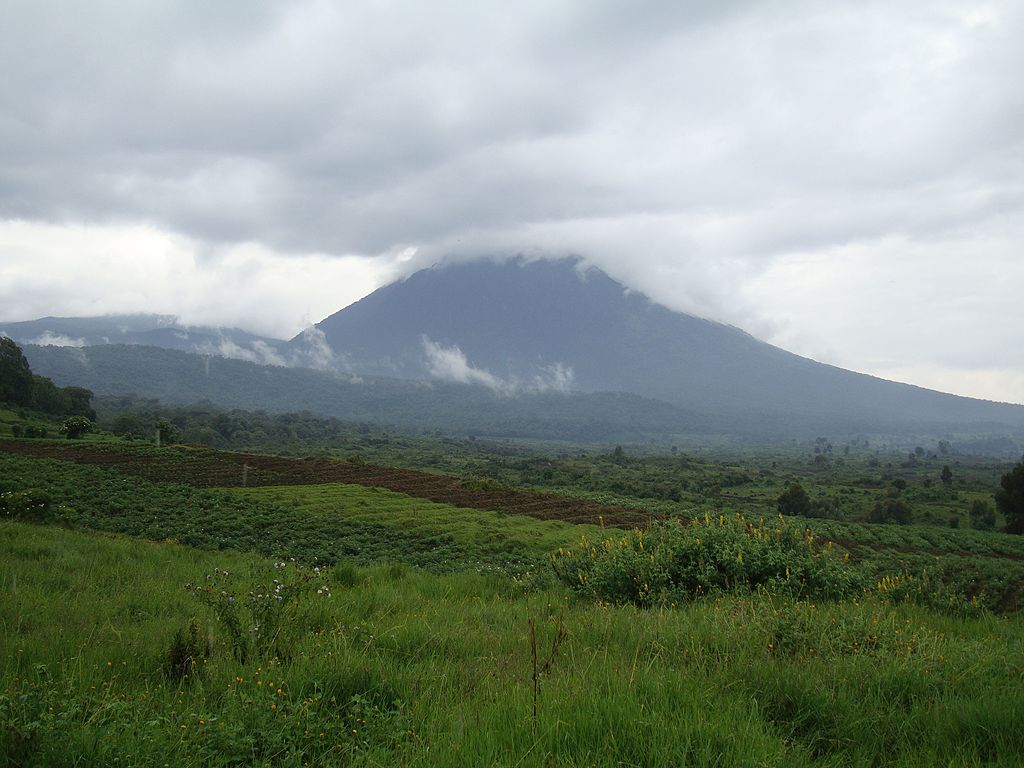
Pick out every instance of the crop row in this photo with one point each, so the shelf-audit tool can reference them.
(96, 498)
(215, 469)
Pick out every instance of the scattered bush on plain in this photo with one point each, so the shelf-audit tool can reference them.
(674, 562)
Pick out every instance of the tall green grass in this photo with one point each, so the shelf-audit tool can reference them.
(402, 667)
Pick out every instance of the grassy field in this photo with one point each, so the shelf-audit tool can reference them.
(324, 522)
(318, 524)
(393, 666)
(337, 624)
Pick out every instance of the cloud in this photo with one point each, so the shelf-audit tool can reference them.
(51, 339)
(316, 351)
(451, 364)
(264, 164)
(258, 352)
(127, 269)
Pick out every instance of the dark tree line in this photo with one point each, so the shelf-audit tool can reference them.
(19, 386)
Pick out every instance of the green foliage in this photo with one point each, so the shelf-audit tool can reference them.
(75, 427)
(794, 501)
(186, 654)
(982, 515)
(177, 377)
(317, 525)
(259, 617)
(18, 385)
(946, 475)
(436, 671)
(167, 431)
(30, 504)
(1010, 498)
(330, 523)
(674, 562)
(922, 588)
(891, 510)
(15, 374)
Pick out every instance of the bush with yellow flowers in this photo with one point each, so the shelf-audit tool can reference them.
(676, 561)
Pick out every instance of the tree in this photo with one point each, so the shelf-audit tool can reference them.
(1010, 498)
(947, 476)
(794, 501)
(48, 397)
(891, 510)
(75, 427)
(168, 432)
(982, 514)
(80, 402)
(20, 386)
(15, 375)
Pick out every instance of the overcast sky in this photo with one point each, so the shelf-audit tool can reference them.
(843, 179)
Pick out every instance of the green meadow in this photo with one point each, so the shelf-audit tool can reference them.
(395, 666)
(147, 623)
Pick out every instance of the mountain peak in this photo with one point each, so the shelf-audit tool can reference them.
(533, 324)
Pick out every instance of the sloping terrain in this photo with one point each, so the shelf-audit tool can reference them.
(176, 377)
(164, 331)
(549, 324)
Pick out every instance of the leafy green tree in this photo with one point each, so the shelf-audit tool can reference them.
(48, 397)
(891, 510)
(80, 402)
(794, 501)
(15, 375)
(946, 476)
(20, 386)
(982, 514)
(168, 432)
(75, 427)
(1010, 498)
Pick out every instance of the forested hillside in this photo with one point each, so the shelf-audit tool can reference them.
(180, 378)
(19, 386)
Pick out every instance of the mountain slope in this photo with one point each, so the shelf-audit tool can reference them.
(547, 324)
(179, 378)
(150, 330)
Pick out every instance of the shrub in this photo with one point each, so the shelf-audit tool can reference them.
(794, 501)
(1010, 498)
(922, 589)
(186, 653)
(983, 515)
(891, 510)
(257, 623)
(674, 562)
(75, 427)
(31, 504)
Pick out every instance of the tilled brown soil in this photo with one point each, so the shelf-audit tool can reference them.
(215, 469)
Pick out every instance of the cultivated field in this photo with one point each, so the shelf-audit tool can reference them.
(156, 612)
